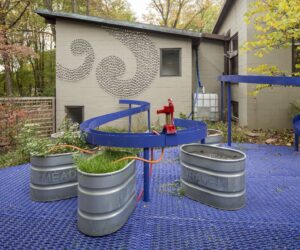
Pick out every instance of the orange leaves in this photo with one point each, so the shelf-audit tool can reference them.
(13, 50)
(11, 119)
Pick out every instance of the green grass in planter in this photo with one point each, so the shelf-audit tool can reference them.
(103, 162)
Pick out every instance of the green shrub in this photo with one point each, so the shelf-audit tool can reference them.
(12, 158)
(29, 142)
(103, 162)
(70, 134)
(112, 129)
(183, 116)
(294, 108)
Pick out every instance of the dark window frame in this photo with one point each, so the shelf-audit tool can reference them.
(180, 62)
(294, 56)
(235, 111)
(75, 106)
(229, 47)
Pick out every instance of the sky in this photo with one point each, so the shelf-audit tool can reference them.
(139, 7)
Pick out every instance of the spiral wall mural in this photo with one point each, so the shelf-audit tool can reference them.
(79, 47)
(110, 70)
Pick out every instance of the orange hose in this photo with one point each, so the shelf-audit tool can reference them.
(151, 165)
(74, 147)
(142, 159)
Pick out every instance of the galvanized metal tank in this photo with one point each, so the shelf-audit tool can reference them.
(53, 177)
(214, 137)
(213, 175)
(105, 201)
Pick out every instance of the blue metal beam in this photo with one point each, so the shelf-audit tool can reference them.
(273, 80)
(146, 176)
(222, 101)
(229, 113)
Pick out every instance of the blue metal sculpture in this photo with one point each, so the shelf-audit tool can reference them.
(273, 80)
(296, 125)
(191, 131)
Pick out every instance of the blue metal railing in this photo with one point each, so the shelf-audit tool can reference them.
(229, 79)
(192, 131)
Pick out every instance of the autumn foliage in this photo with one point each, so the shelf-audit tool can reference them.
(12, 50)
(277, 25)
(12, 118)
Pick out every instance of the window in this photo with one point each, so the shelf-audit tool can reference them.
(296, 57)
(75, 113)
(232, 55)
(234, 110)
(170, 64)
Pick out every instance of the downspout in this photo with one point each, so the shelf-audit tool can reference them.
(197, 68)
(199, 85)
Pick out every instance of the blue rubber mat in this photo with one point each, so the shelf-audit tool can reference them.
(270, 219)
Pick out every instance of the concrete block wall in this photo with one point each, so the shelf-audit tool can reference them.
(211, 65)
(234, 23)
(95, 100)
(270, 108)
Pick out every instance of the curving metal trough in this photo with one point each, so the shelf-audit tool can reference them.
(53, 177)
(105, 201)
(214, 137)
(213, 175)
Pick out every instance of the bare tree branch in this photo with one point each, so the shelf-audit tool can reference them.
(20, 16)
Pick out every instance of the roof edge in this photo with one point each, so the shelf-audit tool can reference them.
(52, 16)
(226, 7)
(214, 37)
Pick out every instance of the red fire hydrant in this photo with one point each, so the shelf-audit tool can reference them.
(169, 127)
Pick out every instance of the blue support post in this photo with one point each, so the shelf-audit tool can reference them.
(222, 101)
(146, 176)
(229, 113)
(203, 141)
(296, 141)
(129, 129)
(149, 122)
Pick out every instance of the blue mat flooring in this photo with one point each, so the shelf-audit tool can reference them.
(270, 219)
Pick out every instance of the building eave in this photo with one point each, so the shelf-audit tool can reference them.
(225, 9)
(53, 16)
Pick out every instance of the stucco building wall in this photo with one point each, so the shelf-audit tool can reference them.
(211, 65)
(96, 100)
(269, 109)
(233, 23)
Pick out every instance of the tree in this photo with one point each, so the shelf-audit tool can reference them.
(88, 6)
(74, 6)
(277, 25)
(27, 43)
(116, 9)
(23, 34)
(197, 15)
(11, 12)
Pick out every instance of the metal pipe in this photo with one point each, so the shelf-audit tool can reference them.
(222, 101)
(229, 113)
(197, 69)
(129, 129)
(149, 122)
(146, 176)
